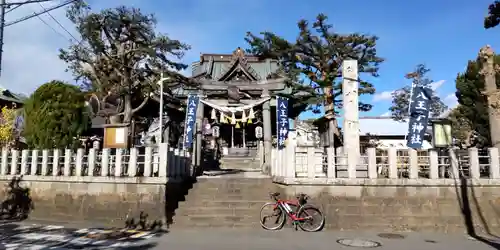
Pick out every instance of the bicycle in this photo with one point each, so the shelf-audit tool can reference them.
(301, 213)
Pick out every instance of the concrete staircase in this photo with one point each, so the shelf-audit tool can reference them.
(242, 163)
(224, 201)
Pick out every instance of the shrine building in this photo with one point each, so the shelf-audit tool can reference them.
(237, 96)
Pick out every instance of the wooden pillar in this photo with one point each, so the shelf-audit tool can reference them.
(232, 136)
(243, 135)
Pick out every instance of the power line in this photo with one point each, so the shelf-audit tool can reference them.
(39, 13)
(55, 20)
(3, 10)
(52, 28)
(23, 3)
(2, 26)
(17, 5)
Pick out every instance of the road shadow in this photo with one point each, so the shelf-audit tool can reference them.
(58, 237)
(465, 194)
(18, 203)
(176, 192)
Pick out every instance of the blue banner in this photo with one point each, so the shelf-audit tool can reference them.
(419, 116)
(282, 120)
(190, 121)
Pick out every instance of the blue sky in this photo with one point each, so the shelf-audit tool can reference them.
(442, 34)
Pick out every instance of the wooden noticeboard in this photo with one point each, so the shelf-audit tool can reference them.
(116, 136)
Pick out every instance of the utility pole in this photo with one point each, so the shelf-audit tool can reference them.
(4, 5)
(2, 26)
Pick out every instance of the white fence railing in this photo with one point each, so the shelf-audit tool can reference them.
(295, 164)
(161, 162)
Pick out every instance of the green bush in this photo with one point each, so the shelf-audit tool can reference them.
(55, 116)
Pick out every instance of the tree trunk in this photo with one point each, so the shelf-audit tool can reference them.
(127, 110)
(115, 119)
(330, 115)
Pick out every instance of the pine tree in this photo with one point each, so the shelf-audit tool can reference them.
(473, 102)
(120, 58)
(401, 97)
(493, 17)
(313, 62)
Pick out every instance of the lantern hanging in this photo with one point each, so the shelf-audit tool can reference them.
(243, 117)
(233, 118)
(214, 115)
(251, 115)
(222, 119)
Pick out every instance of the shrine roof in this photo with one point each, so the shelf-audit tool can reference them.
(222, 66)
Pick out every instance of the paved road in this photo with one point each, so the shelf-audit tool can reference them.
(291, 240)
(29, 236)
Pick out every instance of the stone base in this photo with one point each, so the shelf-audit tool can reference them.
(447, 209)
(105, 203)
(234, 201)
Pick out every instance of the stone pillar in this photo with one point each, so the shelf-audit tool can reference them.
(487, 55)
(266, 117)
(351, 115)
(199, 135)
(494, 163)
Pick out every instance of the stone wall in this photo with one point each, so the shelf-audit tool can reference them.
(105, 201)
(382, 205)
(406, 208)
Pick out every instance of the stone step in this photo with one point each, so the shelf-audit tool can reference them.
(238, 159)
(224, 202)
(231, 183)
(229, 197)
(216, 219)
(219, 211)
(215, 224)
(231, 204)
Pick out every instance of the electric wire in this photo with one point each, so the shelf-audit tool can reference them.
(58, 23)
(39, 13)
(52, 28)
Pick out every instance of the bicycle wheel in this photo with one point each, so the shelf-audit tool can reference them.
(270, 213)
(314, 218)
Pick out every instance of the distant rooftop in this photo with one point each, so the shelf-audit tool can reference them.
(7, 95)
(381, 125)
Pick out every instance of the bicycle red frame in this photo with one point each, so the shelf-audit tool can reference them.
(292, 215)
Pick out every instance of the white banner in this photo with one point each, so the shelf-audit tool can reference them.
(235, 109)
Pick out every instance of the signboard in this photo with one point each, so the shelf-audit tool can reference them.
(419, 115)
(216, 131)
(190, 121)
(441, 134)
(282, 121)
(258, 132)
(115, 136)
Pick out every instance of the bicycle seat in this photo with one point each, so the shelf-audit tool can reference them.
(274, 194)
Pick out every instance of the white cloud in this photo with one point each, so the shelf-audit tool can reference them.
(450, 100)
(382, 127)
(388, 113)
(31, 49)
(382, 96)
(30, 55)
(436, 85)
(387, 95)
